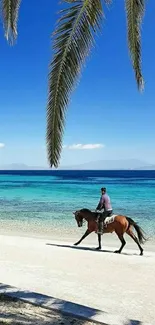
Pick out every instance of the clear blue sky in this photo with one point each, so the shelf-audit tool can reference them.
(106, 108)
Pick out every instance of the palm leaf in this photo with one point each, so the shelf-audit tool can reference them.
(10, 10)
(108, 2)
(135, 12)
(73, 39)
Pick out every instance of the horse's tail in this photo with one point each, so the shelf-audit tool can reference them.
(139, 230)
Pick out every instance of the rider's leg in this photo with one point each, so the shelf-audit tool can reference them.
(101, 223)
(106, 214)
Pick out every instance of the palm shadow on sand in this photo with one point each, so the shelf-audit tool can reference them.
(66, 313)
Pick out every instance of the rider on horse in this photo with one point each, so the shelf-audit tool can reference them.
(105, 209)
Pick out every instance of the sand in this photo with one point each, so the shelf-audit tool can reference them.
(15, 312)
(118, 284)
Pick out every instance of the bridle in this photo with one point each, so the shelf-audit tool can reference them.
(79, 218)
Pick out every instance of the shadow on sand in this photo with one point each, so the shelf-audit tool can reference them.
(16, 312)
(89, 249)
(80, 248)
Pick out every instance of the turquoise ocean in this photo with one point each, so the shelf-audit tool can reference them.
(42, 202)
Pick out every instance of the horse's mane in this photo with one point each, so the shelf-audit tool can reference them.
(85, 211)
(91, 214)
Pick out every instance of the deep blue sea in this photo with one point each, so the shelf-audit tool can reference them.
(43, 201)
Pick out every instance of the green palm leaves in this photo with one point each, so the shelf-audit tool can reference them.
(10, 9)
(72, 41)
(135, 12)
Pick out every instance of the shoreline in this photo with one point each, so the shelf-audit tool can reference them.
(108, 240)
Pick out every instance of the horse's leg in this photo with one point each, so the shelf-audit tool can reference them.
(132, 235)
(121, 238)
(83, 237)
(99, 242)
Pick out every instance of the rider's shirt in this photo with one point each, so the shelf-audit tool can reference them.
(105, 202)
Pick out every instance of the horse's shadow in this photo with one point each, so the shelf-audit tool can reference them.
(88, 249)
(80, 248)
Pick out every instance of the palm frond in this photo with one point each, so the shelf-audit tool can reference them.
(9, 11)
(135, 12)
(108, 2)
(73, 39)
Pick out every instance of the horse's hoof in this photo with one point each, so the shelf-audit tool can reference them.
(98, 248)
(141, 253)
(117, 252)
(75, 244)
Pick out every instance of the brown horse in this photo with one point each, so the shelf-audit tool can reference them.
(120, 226)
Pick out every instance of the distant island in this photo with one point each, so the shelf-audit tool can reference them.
(122, 164)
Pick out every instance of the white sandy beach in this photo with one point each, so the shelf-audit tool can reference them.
(17, 312)
(118, 284)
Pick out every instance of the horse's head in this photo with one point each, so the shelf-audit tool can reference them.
(78, 218)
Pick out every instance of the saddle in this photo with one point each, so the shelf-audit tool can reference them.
(102, 224)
